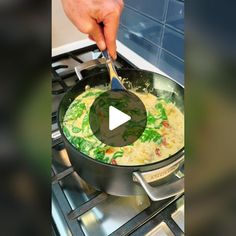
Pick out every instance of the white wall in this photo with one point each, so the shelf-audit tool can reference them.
(63, 31)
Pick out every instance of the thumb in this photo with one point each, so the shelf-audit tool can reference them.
(96, 34)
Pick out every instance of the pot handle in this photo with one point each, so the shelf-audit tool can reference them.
(160, 192)
(88, 65)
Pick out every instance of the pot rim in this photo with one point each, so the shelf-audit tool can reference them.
(153, 165)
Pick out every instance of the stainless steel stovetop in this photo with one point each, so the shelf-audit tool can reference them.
(79, 209)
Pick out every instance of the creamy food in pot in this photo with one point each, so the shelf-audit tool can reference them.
(162, 137)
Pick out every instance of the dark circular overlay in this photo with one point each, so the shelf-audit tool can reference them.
(128, 103)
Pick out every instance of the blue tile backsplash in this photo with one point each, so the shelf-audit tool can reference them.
(175, 14)
(154, 29)
(152, 8)
(138, 44)
(173, 42)
(172, 66)
(142, 25)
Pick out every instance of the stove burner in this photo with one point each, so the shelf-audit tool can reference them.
(59, 84)
(79, 209)
(87, 206)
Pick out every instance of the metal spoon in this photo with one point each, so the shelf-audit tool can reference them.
(114, 79)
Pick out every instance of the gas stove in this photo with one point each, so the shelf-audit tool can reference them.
(79, 209)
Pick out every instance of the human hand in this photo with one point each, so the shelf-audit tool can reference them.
(88, 15)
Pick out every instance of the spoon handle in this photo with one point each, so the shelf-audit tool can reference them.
(115, 81)
(110, 64)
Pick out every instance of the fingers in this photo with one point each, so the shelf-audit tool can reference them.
(96, 34)
(91, 38)
(87, 14)
(111, 24)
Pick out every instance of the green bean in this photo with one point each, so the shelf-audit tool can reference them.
(118, 154)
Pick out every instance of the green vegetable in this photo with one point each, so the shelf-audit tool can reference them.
(67, 133)
(134, 124)
(82, 144)
(80, 109)
(99, 154)
(151, 119)
(88, 94)
(106, 159)
(85, 122)
(116, 102)
(76, 141)
(75, 129)
(102, 103)
(85, 146)
(75, 110)
(135, 112)
(118, 154)
(150, 135)
(157, 126)
(162, 111)
(165, 99)
(130, 132)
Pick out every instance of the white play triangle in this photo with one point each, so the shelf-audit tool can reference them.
(117, 118)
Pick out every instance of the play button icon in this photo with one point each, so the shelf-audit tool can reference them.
(117, 118)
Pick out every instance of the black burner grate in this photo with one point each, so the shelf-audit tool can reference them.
(156, 213)
(62, 68)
